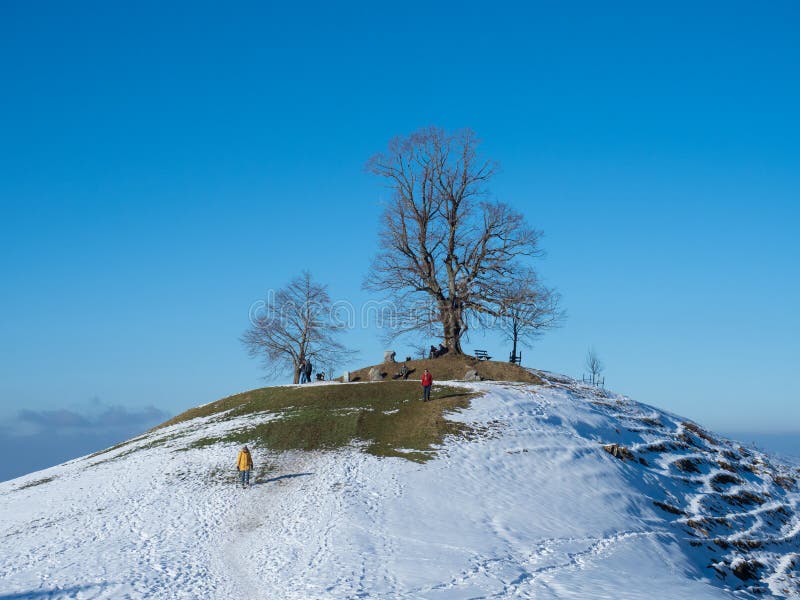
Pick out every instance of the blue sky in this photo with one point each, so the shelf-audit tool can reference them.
(161, 167)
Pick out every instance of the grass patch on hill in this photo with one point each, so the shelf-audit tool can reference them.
(36, 482)
(386, 418)
(452, 368)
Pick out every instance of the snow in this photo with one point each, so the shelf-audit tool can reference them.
(531, 508)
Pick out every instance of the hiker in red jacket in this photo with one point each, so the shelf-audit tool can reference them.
(427, 382)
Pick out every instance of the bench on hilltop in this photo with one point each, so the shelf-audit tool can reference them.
(482, 355)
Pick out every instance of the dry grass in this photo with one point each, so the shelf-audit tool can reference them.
(698, 526)
(687, 465)
(720, 480)
(785, 482)
(669, 508)
(453, 368)
(747, 570)
(36, 482)
(744, 498)
(700, 432)
(387, 418)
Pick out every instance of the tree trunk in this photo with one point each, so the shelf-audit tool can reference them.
(513, 356)
(453, 330)
(296, 379)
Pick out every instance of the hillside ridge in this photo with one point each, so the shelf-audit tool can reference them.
(555, 489)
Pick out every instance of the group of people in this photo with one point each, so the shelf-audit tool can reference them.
(305, 370)
(437, 352)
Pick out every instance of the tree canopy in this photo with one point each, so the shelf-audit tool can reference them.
(450, 256)
(295, 324)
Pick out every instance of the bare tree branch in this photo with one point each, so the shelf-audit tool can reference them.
(442, 239)
(296, 327)
(532, 310)
(594, 365)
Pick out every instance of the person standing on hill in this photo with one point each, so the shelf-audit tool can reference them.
(244, 464)
(427, 382)
(309, 370)
(302, 369)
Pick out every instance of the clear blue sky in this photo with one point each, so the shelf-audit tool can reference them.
(161, 167)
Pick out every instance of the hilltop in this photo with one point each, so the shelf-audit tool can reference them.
(545, 489)
(453, 368)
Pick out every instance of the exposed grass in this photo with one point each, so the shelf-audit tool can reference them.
(747, 570)
(700, 432)
(651, 421)
(453, 368)
(744, 498)
(388, 418)
(117, 446)
(36, 482)
(154, 441)
(698, 526)
(785, 482)
(687, 465)
(720, 480)
(668, 508)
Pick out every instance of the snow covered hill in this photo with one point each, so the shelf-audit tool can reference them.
(529, 505)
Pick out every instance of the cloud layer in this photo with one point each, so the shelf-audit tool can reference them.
(37, 439)
(112, 417)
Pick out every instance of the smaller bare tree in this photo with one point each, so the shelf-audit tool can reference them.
(295, 326)
(532, 310)
(594, 365)
(420, 350)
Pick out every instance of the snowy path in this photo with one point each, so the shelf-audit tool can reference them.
(532, 509)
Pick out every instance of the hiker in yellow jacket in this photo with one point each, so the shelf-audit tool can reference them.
(244, 464)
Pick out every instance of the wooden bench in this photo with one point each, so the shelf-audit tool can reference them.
(515, 359)
(482, 355)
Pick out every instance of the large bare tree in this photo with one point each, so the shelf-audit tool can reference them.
(295, 323)
(449, 256)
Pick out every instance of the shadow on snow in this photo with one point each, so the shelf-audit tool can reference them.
(272, 480)
(65, 592)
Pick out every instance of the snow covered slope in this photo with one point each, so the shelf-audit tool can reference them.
(532, 507)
